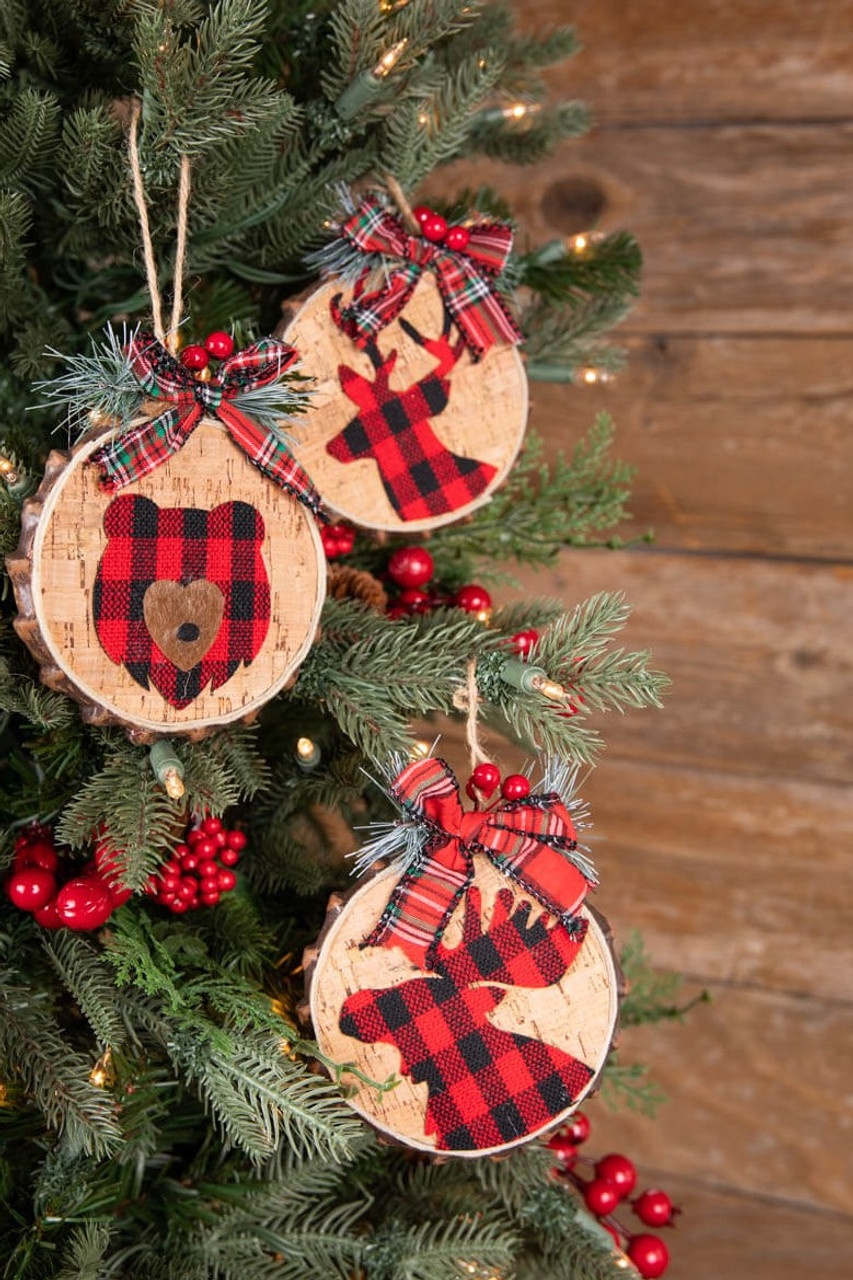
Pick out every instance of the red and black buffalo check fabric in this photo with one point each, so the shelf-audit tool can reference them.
(421, 477)
(150, 544)
(486, 1087)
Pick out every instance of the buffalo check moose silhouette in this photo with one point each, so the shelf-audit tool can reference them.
(421, 477)
(486, 1087)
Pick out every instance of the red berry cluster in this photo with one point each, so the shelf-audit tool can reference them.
(84, 901)
(411, 569)
(614, 1178)
(199, 871)
(434, 227)
(486, 778)
(337, 539)
(219, 345)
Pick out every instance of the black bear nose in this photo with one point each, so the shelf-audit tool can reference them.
(187, 631)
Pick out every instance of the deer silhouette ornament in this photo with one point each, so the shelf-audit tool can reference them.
(487, 1087)
(421, 477)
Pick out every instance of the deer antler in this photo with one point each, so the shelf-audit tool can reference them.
(440, 349)
(511, 950)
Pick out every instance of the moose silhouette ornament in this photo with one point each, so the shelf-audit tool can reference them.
(406, 432)
(494, 1037)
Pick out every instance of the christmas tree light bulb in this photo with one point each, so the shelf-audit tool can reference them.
(7, 470)
(389, 60)
(420, 749)
(101, 1073)
(307, 753)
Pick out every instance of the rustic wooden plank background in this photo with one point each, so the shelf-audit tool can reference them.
(725, 141)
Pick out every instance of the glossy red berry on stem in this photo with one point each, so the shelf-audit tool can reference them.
(564, 1150)
(515, 787)
(600, 1197)
(226, 880)
(414, 600)
(523, 641)
(422, 212)
(211, 826)
(649, 1255)
(619, 1170)
(48, 916)
(84, 903)
(236, 840)
(219, 344)
(30, 888)
(229, 857)
(654, 1208)
(486, 778)
(194, 357)
(577, 1129)
(411, 567)
(457, 238)
(434, 228)
(473, 598)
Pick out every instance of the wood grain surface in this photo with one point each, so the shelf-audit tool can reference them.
(485, 415)
(577, 1014)
(67, 524)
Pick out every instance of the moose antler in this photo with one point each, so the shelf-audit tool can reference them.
(510, 950)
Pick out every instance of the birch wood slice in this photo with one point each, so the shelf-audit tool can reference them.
(360, 998)
(408, 443)
(184, 601)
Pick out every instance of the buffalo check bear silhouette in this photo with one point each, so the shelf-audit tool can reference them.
(487, 1087)
(181, 597)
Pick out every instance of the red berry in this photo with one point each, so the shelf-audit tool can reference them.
(226, 880)
(165, 899)
(457, 238)
(411, 567)
(210, 826)
(84, 903)
(471, 792)
(36, 853)
(30, 888)
(219, 840)
(194, 357)
(179, 906)
(169, 883)
(473, 598)
(209, 884)
(434, 228)
(210, 899)
(229, 857)
(601, 1197)
(207, 868)
(171, 868)
(414, 601)
(577, 1128)
(219, 344)
(654, 1208)
(236, 840)
(48, 916)
(422, 212)
(649, 1255)
(194, 835)
(181, 851)
(523, 641)
(187, 889)
(620, 1171)
(486, 778)
(205, 848)
(564, 1150)
(189, 861)
(515, 787)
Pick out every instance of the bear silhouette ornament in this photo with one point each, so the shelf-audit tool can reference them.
(181, 596)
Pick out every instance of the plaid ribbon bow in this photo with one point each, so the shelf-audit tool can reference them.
(531, 841)
(162, 377)
(465, 277)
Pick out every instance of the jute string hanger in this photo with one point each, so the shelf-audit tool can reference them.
(467, 698)
(147, 244)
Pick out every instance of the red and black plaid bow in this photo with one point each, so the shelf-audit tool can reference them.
(465, 277)
(531, 841)
(162, 377)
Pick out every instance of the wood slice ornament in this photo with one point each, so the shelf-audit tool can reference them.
(179, 601)
(419, 409)
(498, 1029)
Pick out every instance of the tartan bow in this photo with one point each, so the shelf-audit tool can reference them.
(162, 377)
(465, 277)
(531, 841)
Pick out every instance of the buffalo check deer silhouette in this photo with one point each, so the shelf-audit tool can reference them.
(487, 1087)
(421, 477)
